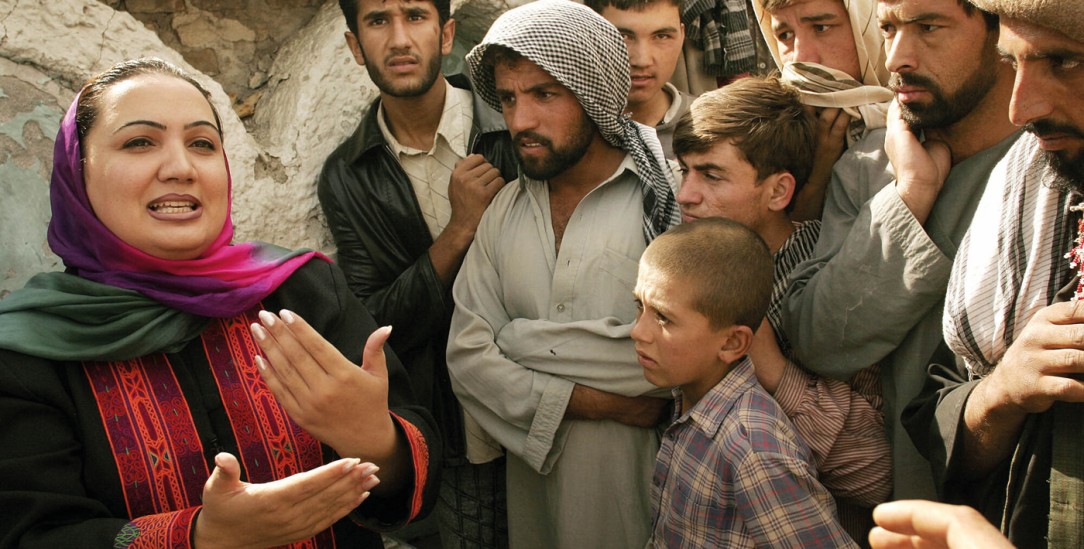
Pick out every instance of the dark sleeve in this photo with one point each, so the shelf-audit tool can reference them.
(319, 293)
(934, 420)
(43, 495)
(384, 253)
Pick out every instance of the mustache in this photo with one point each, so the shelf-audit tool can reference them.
(897, 80)
(401, 53)
(1044, 127)
(528, 135)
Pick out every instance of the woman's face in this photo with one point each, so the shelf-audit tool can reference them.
(154, 168)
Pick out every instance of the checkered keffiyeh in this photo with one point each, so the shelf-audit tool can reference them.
(721, 29)
(587, 55)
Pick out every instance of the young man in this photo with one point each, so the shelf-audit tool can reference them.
(1001, 419)
(873, 289)
(654, 35)
(731, 472)
(746, 151)
(403, 196)
(833, 51)
(540, 351)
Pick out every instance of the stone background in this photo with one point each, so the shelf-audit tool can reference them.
(279, 70)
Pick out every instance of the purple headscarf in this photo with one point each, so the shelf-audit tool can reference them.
(223, 282)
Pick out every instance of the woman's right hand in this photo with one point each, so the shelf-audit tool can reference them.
(240, 514)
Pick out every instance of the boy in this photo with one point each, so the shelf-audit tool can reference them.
(731, 471)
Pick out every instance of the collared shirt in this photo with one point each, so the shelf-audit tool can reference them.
(732, 472)
(529, 324)
(429, 171)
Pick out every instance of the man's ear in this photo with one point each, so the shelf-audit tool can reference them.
(355, 48)
(736, 343)
(780, 189)
(681, 33)
(447, 37)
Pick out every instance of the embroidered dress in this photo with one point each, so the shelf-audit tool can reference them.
(101, 454)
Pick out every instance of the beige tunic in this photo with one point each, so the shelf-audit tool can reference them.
(528, 325)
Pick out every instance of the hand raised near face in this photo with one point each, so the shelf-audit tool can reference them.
(472, 187)
(239, 514)
(339, 403)
(921, 168)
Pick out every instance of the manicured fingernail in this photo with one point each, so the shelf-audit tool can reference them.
(370, 469)
(259, 332)
(350, 464)
(267, 318)
(364, 496)
(369, 483)
(287, 316)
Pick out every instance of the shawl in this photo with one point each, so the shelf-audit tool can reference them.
(1011, 261)
(1064, 16)
(721, 29)
(587, 55)
(116, 302)
(821, 86)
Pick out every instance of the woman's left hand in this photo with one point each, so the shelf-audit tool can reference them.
(342, 405)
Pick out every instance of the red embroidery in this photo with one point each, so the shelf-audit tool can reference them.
(153, 437)
(270, 444)
(151, 434)
(164, 530)
(419, 451)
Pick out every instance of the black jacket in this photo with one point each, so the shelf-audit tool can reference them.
(383, 245)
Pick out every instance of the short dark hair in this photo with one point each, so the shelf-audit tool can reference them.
(992, 19)
(350, 12)
(726, 264)
(626, 5)
(763, 117)
(86, 112)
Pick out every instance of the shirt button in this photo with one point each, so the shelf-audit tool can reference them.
(561, 308)
(762, 64)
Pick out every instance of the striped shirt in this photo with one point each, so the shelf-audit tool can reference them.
(732, 472)
(795, 249)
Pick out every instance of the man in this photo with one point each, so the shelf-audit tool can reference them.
(833, 51)
(403, 196)
(873, 288)
(746, 151)
(540, 352)
(1003, 429)
(654, 36)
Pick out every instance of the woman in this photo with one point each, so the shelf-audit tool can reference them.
(135, 406)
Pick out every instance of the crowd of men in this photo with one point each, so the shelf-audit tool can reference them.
(887, 313)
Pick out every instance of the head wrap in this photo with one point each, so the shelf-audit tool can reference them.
(587, 55)
(1064, 16)
(866, 101)
(114, 293)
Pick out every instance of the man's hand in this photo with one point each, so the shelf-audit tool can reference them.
(638, 411)
(921, 168)
(1034, 373)
(239, 514)
(831, 141)
(922, 524)
(472, 187)
(342, 405)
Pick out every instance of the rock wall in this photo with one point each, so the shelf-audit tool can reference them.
(311, 95)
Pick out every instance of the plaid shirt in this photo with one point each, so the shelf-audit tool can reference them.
(732, 473)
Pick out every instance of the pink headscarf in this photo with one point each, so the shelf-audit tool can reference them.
(225, 281)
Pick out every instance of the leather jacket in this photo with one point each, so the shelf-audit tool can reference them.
(383, 245)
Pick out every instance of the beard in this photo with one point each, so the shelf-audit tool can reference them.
(1068, 165)
(403, 89)
(560, 158)
(944, 109)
